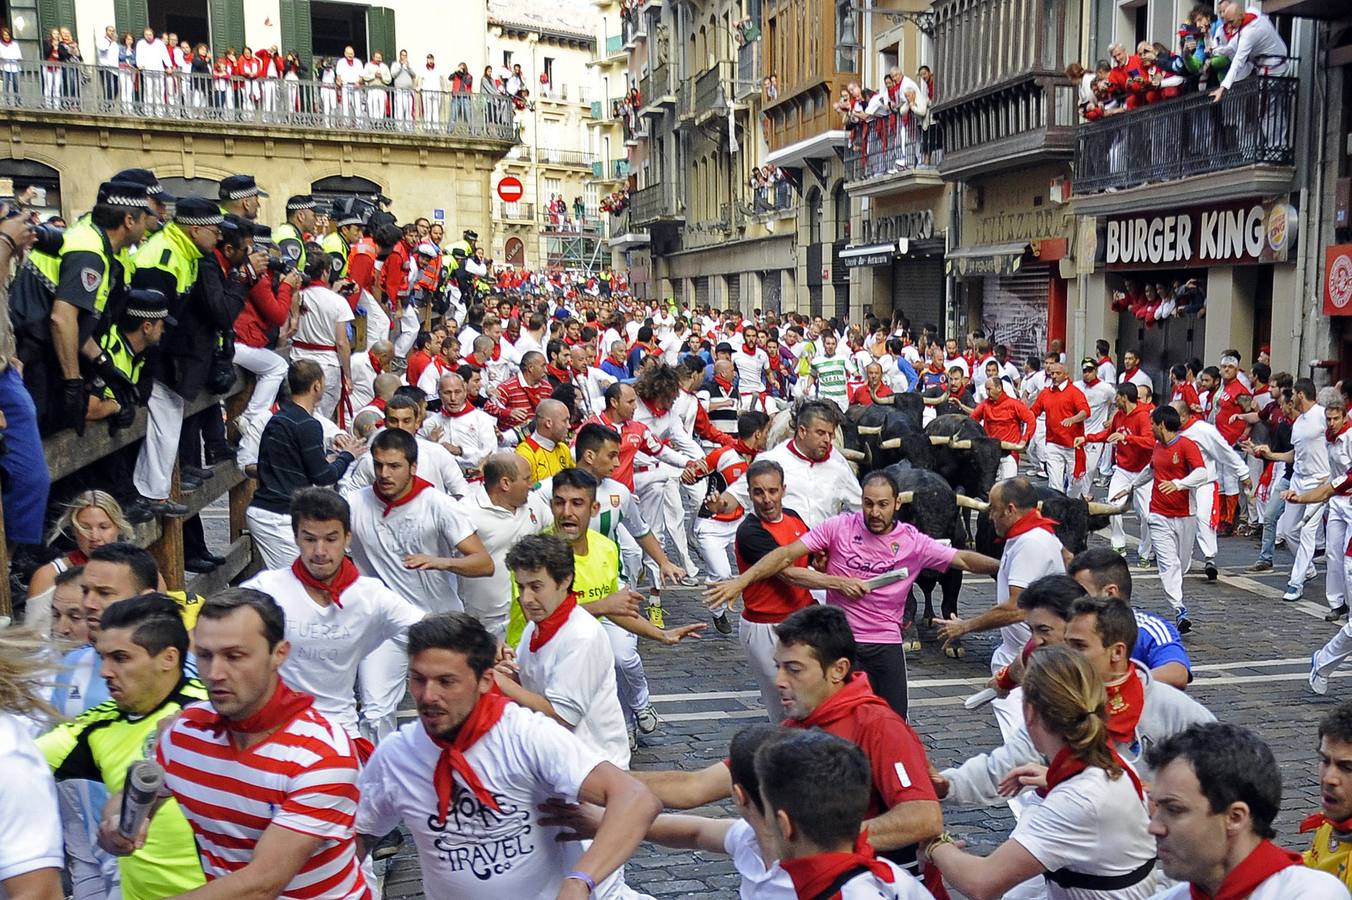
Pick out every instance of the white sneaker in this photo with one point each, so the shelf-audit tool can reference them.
(1293, 592)
(633, 740)
(646, 719)
(1318, 683)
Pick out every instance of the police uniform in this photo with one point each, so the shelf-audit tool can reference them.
(288, 237)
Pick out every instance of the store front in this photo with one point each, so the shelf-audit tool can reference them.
(897, 264)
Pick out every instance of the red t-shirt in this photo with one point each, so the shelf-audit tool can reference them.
(1172, 462)
(1226, 400)
(861, 395)
(1188, 394)
(771, 600)
(1059, 404)
(1133, 454)
(1006, 419)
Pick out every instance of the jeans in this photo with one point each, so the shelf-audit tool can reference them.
(27, 480)
(1271, 514)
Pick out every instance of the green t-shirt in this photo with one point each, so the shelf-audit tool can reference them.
(595, 575)
(832, 374)
(99, 745)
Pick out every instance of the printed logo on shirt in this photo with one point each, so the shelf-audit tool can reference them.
(615, 500)
(479, 840)
(90, 278)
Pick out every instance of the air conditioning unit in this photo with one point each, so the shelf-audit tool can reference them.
(971, 199)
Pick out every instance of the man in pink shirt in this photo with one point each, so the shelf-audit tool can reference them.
(861, 546)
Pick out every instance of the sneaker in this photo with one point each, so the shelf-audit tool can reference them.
(1211, 572)
(197, 472)
(1261, 566)
(633, 740)
(1318, 683)
(1121, 551)
(722, 624)
(1182, 622)
(1145, 562)
(655, 611)
(1293, 592)
(388, 846)
(1336, 614)
(646, 719)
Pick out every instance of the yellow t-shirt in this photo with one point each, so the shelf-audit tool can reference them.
(595, 575)
(1328, 854)
(545, 463)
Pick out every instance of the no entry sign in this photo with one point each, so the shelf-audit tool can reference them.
(511, 189)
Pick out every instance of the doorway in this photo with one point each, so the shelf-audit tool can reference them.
(189, 19)
(335, 26)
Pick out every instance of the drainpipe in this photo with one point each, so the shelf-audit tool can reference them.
(1311, 206)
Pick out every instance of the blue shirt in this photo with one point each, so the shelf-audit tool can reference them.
(78, 683)
(1158, 643)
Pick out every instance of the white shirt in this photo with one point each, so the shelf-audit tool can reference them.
(1138, 378)
(758, 882)
(475, 433)
(526, 343)
(1311, 449)
(979, 371)
(430, 523)
(376, 74)
(575, 672)
(1093, 826)
(363, 387)
(815, 490)
(499, 529)
(1288, 884)
(663, 324)
(151, 56)
(1107, 371)
(523, 760)
(348, 71)
(1100, 396)
(106, 48)
(1027, 558)
(1033, 385)
(1256, 45)
(960, 362)
(752, 370)
(666, 427)
(321, 312)
(30, 824)
(435, 464)
(616, 507)
(328, 642)
(11, 53)
(1218, 455)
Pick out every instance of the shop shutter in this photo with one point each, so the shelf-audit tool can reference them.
(61, 14)
(380, 33)
(734, 296)
(918, 292)
(701, 290)
(296, 34)
(227, 26)
(814, 299)
(1014, 310)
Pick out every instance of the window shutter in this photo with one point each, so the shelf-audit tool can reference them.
(380, 33)
(227, 25)
(56, 14)
(295, 22)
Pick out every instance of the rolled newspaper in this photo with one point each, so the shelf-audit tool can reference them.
(145, 780)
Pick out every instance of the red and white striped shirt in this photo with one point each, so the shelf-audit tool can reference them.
(303, 778)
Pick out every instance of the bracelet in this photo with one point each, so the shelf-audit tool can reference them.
(584, 878)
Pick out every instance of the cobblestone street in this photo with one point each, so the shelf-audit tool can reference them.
(1250, 653)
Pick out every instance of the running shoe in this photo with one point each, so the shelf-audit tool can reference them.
(1318, 683)
(646, 719)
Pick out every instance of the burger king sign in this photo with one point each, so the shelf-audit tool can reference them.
(1338, 280)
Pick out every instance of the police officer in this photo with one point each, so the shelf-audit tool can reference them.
(127, 342)
(349, 215)
(469, 237)
(239, 195)
(155, 192)
(300, 221)
(58, 302)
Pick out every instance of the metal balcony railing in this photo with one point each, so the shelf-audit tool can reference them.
(888, 145)
(1253, 124)
(655, 203)
(748, 71)
(126, 93)
(568, 222)
(613, 47)
(579, 158)
(617, 170)
(520, 211)
(655, 85)
(685, 99)
(711, 87)
(767, 198)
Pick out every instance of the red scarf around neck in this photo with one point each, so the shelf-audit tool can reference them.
(419, 485)
(549, 626)
(343, 579)
(375, 363)
(1066, 766)
(855, 694)
(560, 374)
(463, 411)
(723, 383)
(1330, 435)
(486, 713)
(283, 706)
(1317, 820)
(812, 875)
(1031, 520)
(1266, 860)
(1126, 702)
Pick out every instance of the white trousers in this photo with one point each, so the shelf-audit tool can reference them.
(658, 494)
(377, 321)
(381, 679)
(1338, 531)
(403, 105)
(1301, 525)
(1060, 467)
(1328, 658)
(1208, 509)
(715, 540)
(408, 330)
(494, 617)
(631, 682)
(759, 641)
(154, 473)
(1140, 502)
(631, 557)
(431, 103)
(1008, 467)
(1172, 539)
(273, 537)
(269, 370)
(1107, 461)
(375, 103)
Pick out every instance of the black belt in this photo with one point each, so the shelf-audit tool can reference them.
(1068, 878)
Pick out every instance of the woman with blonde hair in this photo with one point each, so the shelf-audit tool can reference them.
(1089, 834)
(91, 519)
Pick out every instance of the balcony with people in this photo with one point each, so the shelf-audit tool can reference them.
(1187, 122)
(892, 139)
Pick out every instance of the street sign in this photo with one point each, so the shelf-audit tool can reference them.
(511, 189)
(439, 215)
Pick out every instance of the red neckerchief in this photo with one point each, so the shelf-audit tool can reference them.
(283, 706)
(375, 363)
(77, 558)
(549, 626)
(1332, 436)
(481, 719)
(812, 875)
(1031, 520)
(558, 373)
(379, 403)
(1065, 766)
(793, 448)
(463, 411)
(1126, 702)
(955, 394)
(474, 361)
(343, 579)
(497, 351)
(1231, 32)
(724, 384)
(1129, 375)
(1266, 860)
(855, 694)
(1105, 359)
(1317, 820)
(934, 369)
(419, 485)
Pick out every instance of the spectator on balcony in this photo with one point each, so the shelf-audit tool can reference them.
(106, 49)
(10, 57)
(431, 83)
(222, 84)
(1087, 101)
(1251, 43)
(152, 59)
(491, 88)
(199, 75)
(249, 70)
(293, 72)
(347, 74)
(70, 55)
(515, 82)
(1129, 76)
(51, 74)
(376, 77)
(404, 79)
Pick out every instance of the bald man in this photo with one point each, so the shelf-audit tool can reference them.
(365, 368)
(469, 433)
(545, 448)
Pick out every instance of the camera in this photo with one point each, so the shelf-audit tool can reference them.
(281, 265)
(49, 239)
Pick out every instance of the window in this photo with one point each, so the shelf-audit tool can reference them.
(338, 187)
(185, 18)
(840, 201)
(814, 217)
(338, 25)
(507, 59)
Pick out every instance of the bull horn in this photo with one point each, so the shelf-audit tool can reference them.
(889, 400)
(938, 440)
(934, 401)
(1097, 508)
(1010, 445)
(870, 429)
(972, 503)
(891, 444)
(960, 445)
(851, 455)
(905, 497)
(1039, 506)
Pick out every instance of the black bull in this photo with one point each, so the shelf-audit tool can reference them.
(1075, 520)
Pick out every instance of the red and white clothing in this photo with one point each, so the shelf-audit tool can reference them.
(1300, 523)
(1006, 419)
(865, 877)
(1057, 403)
(568, 660)
(1132, 456)
(636, 437)
(471, 429)
(489, 599)
(818, 490)
(302, 778)
(714, 532)
(429, 379)
(322, 313)
(364, 367)
(753, 371)
(1268, 873)
(514, 394)
(1188, 394)
(1138, 377)
(435, 464)
(329, 642)
(1220, 458)
(1031, 551)
(1171, 518)
(480, 848)
(1225, 410)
